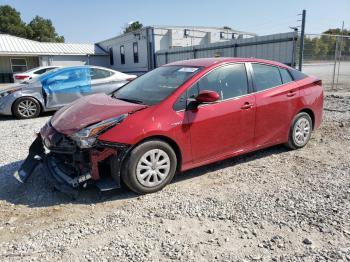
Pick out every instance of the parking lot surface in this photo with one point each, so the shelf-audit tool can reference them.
(272, 204)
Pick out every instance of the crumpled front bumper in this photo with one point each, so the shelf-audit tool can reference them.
(69, 181)
(37, 158)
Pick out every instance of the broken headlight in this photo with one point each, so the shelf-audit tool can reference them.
(87, 136)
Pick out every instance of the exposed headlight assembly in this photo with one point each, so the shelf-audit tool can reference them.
(86, 137)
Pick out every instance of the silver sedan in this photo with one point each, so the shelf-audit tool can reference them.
(58, 88)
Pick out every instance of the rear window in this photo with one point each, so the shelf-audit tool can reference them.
(297, 75)
(286, 77)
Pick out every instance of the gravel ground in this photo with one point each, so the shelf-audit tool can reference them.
(274, 204)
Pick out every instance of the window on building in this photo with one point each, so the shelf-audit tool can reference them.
(135, 48)
(111, 57)
(286, 78)
(122, 55)
(266, 76)
(18, 65)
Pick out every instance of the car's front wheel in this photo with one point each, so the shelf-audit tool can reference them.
(26, 107)
(149, 167)
(300, 131)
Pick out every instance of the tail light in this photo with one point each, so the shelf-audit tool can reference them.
(131, 79)
(20, 77)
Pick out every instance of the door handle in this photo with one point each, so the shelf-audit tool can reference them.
(291, 93)
(247, 105)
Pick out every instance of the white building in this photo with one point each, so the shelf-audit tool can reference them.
(135, 52)
(19, 55)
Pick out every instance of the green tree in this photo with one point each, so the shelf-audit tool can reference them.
(42, 30)
(11, 22)
(134, 26)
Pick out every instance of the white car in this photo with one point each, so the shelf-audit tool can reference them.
(57, 88)
(32, 73)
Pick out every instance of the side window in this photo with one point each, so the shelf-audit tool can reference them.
(97, 73)
(67, 79)
(122, 55)
(180, 103)
(233, 81)
(228, 81)
(286, 78)
(266, 76)
(297, 75)
(40, 71)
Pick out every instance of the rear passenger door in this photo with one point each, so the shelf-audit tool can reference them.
(277, 101)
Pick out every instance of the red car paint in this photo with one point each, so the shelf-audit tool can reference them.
(209, 133)
(89, 110)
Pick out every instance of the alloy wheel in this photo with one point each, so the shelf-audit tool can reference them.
(27, 108)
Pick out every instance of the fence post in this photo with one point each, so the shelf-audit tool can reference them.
(302, 36)
(335, 60)
(340, 53)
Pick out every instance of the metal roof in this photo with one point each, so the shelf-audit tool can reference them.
(13, 45)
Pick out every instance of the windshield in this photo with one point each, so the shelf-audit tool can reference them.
(155, 86)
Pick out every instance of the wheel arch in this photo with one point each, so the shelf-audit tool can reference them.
(311, 114)
(32, 97)
(169, 141)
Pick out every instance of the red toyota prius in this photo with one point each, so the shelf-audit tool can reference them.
(179, 116)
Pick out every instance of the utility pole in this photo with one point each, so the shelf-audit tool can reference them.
(302, 36)
(340, 53)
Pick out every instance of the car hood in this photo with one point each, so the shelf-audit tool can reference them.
(90, 110)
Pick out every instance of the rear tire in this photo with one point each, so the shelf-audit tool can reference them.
(26, 107)
(300, 131)
(149, 167)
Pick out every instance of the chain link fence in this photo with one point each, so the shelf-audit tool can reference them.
(328, 58)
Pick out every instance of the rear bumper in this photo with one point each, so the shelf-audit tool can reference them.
(70, 171)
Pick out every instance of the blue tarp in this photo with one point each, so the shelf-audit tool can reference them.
(67, 80)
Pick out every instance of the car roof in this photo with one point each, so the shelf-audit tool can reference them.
(207, 62)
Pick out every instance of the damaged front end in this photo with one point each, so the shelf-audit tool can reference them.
(73, 161)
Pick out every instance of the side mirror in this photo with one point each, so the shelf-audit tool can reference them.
(207, 96)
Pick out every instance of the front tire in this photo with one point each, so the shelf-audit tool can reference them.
(149, 167)
(300, 131)
(26, 107)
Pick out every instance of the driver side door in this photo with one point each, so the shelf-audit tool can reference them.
(226, 126)
(65, 86)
